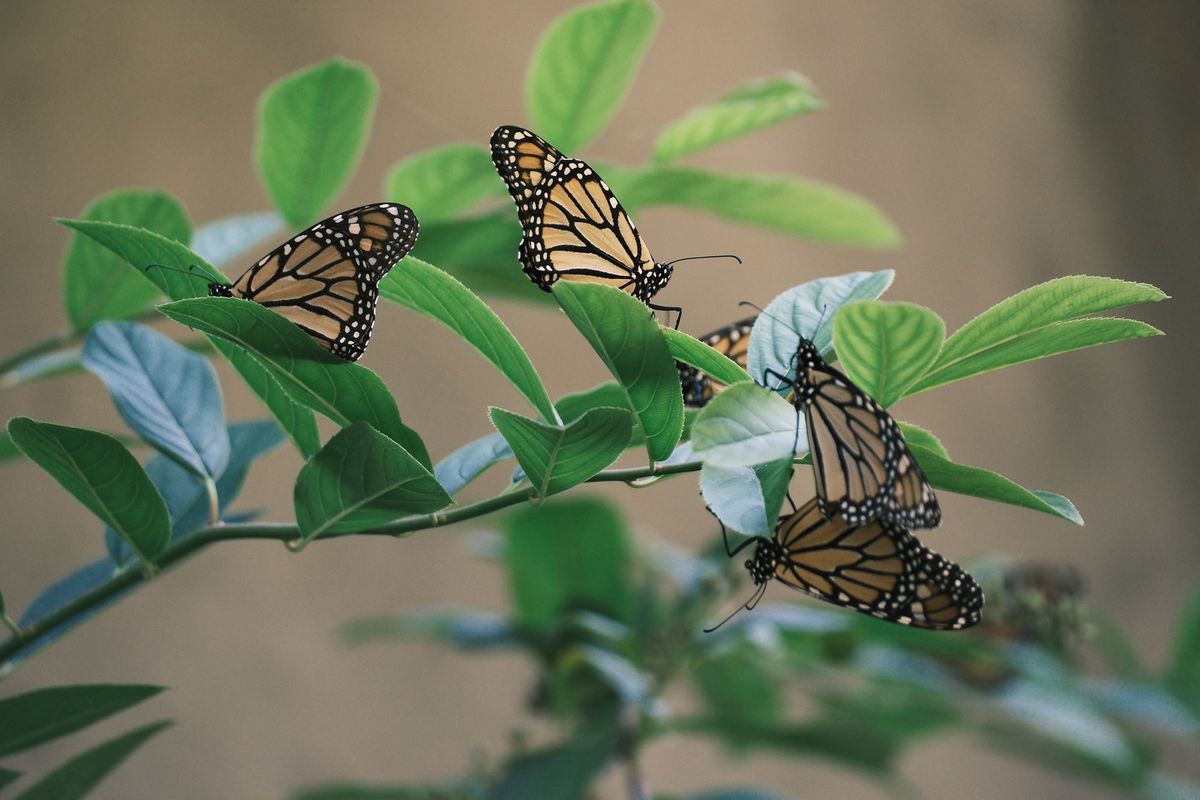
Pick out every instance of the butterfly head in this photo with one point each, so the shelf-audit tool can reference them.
(220, 290)
(652, 280)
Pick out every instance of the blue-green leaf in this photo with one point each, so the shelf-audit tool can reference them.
(55, 596)
(584, 64)
(465, 630)
(559, 457)
(885, 347)
(220, 241)
(34, 718)
(749, 108)
(312, 127)
(76, 778)
(747, 425)
(746, 499)
(96, 285)
(466, 463)
(624, 334)
(164, 392)
(438, 183)
(1183, 670)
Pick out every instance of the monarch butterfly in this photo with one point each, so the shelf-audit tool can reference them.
(733, 341)
(573, 227)
(877, 568)
(325, 278)
(861, 463)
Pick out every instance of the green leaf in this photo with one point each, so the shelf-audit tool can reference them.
(482, 253)
(140, 248)
(916, 436)
(8, 776)
(556, 458)
(361, 791)
(168, 395)
(583, 66)
(976, 482)
(696, 353)
(312, 127)
(807, 309)
(794, 206)
(746, 425)
(562, 772)
(739, 688)
(438, 183)
(36, 717)
(564, 556)
(101, 474)
(95, 284)
(343, 391)
(82, 773)
(8, 450)
(747, 109)
(886, 347)
(465, 630)
(362, 479)
(430, 291)
(1183, 670)
(624, 334)
(1038, 322)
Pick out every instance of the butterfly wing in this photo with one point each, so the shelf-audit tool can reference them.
(876, 568)
(733, 341)
(862, 465)
(573, 227)
(325, 279)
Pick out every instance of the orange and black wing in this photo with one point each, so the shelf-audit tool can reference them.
(325, 279)
(732, 341)
(573, 227)
(876, 568)
(862, 465)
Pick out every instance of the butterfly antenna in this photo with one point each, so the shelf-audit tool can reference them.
(748, 605)
(698, 258)
(764, 312)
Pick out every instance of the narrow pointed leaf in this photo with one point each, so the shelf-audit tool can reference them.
(1183, 670)
(96, 285)
(747, 109)
(468, 462)
(482, 253)
(221, 241)
(432, 292)
(696, 353)
(57, 595)
(8, 776)
(625, 335)
(809, 310)
(919, 437)
(976, 482)
(886, 347)
(343, 391)
(101, 474)
(76, 778)
(466, 630)
(556, 458)
(359, 480)
(438, 183)
(34, 718)
(793, 206)
(1008, 332)
(584, 65)
(164, 392)
(747, 425)
(312, 127)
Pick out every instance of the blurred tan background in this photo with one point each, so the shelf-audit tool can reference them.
(1011, 142)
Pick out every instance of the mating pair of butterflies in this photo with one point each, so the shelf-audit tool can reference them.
(850, 545)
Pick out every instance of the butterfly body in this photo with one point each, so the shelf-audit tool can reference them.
(573, 227)
(325, 279)
(878, 569)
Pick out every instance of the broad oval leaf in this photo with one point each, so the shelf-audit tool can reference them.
(583, 66)
(624, 334)
(76, 778)
(794, 206)
(430, 291)
(438, 183)
(34, 718)
(343, 391)
(809, 310)
(96, 285)
(222, 240)
(312, 127)
(556, 458)
(977, 482)
(747, 109)
(747, 499)
(696, 353)
(101, 474)
(482, 253)
(920, 437)
(885, 347)
(362, 479)
(164, 392)
(1029, 325)
(140, 248)
(747, 425)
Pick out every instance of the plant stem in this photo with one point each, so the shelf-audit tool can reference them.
(37, 349)
(185, 546)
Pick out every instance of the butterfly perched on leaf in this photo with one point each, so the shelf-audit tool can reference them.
(877, 568)
(861, 463)
(573, 226)
(326, 278)
(732, 341)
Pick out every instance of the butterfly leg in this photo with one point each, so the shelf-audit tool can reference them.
(731, 552)
(678, 311)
